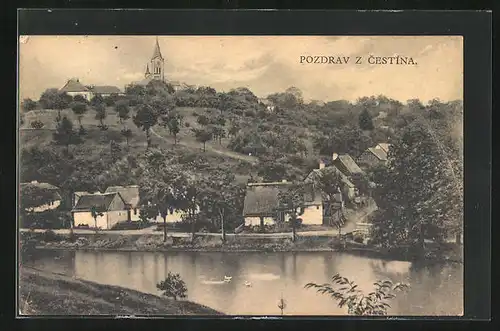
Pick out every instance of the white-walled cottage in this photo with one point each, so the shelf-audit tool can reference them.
(112, 206)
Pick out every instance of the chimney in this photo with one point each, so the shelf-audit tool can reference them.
(321, 164)
(334, 156)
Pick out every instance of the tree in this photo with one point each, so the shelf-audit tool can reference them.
(101, 116)
(271, 170)
(173, 286)
(192, 197)
(330, 183)
(218, 133)
(53, 99)
(234, 129)
(79, 108)
(224, 200)
(123, 111)
(202, 136)
(291, 202)
(96, 211)
(162, 189)
(365, 120)
(115, 151)
(127, 134)
(359, 304)
(28, 104)
(145, 119)
(79, 98)
(65, 135)
(97, 100)
(419, 197)
(202, 120)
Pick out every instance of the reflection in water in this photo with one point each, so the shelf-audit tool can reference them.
(435, 289)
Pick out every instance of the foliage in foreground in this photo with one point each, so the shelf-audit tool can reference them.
(373, 304)
(173, 286)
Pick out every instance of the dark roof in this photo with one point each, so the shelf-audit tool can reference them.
(348, 163)
(130, 194)
(73, 85)
(157, 52)
(106, 89)
(261, 199)
(100, 201)
(378, 152)
(313, 176)
(42, 186)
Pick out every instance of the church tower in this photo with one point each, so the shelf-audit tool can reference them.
(155, 68)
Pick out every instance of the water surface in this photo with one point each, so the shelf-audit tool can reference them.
(435, 290)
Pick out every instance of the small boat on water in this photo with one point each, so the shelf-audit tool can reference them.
(248, 284)
(227, 279)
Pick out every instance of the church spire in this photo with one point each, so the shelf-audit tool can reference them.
(156, 52)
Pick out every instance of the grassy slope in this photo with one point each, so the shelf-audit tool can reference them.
(97, 140)
(43, 293)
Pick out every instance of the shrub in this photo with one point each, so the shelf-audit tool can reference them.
(50, 235)
(187, 124)
(173, 286)
(249, 113)
(37, 124)
(358, 238)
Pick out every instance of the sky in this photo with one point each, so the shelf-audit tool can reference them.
(264, 64)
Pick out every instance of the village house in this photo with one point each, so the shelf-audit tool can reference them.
(112, 206)
(130, 195)
(346, 165)
(262, 202)
(372, 157)
(54, 196)
(73, 87)
(77, 195)
(383, 146)
(348, 190)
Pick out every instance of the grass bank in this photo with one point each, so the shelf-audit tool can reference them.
(44, 293)
(155, 243)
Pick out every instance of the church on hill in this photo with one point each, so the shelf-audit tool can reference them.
(155, 70)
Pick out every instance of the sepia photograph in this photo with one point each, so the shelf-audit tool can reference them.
(240, 175)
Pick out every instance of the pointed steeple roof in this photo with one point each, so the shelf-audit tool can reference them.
(156, 52)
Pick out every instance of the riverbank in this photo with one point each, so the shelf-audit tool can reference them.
(44, 293)
(154, 243)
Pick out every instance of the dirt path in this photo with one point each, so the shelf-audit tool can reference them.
(233, 155)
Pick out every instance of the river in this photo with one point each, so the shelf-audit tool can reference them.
(435, 289)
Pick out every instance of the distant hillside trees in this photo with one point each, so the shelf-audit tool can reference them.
(53, 99)
(365, 120)
(28, 104)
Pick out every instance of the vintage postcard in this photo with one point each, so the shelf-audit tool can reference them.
(241, 175)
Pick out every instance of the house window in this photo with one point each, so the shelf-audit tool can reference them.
(317, 207)
(135, 211)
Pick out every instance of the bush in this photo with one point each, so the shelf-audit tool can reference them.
(130, 225)
(173, 286)
(49, 236)
(358, 238)
(37, 124)
(249, 113)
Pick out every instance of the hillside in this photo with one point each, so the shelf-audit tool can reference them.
(44, 293)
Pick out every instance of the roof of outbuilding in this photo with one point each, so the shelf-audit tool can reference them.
(100, 201)
(379, 153)
(130, 194)
(347, 161)
(106, 89)
(74, 85)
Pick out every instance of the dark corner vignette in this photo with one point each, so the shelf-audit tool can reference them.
(166, 157)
